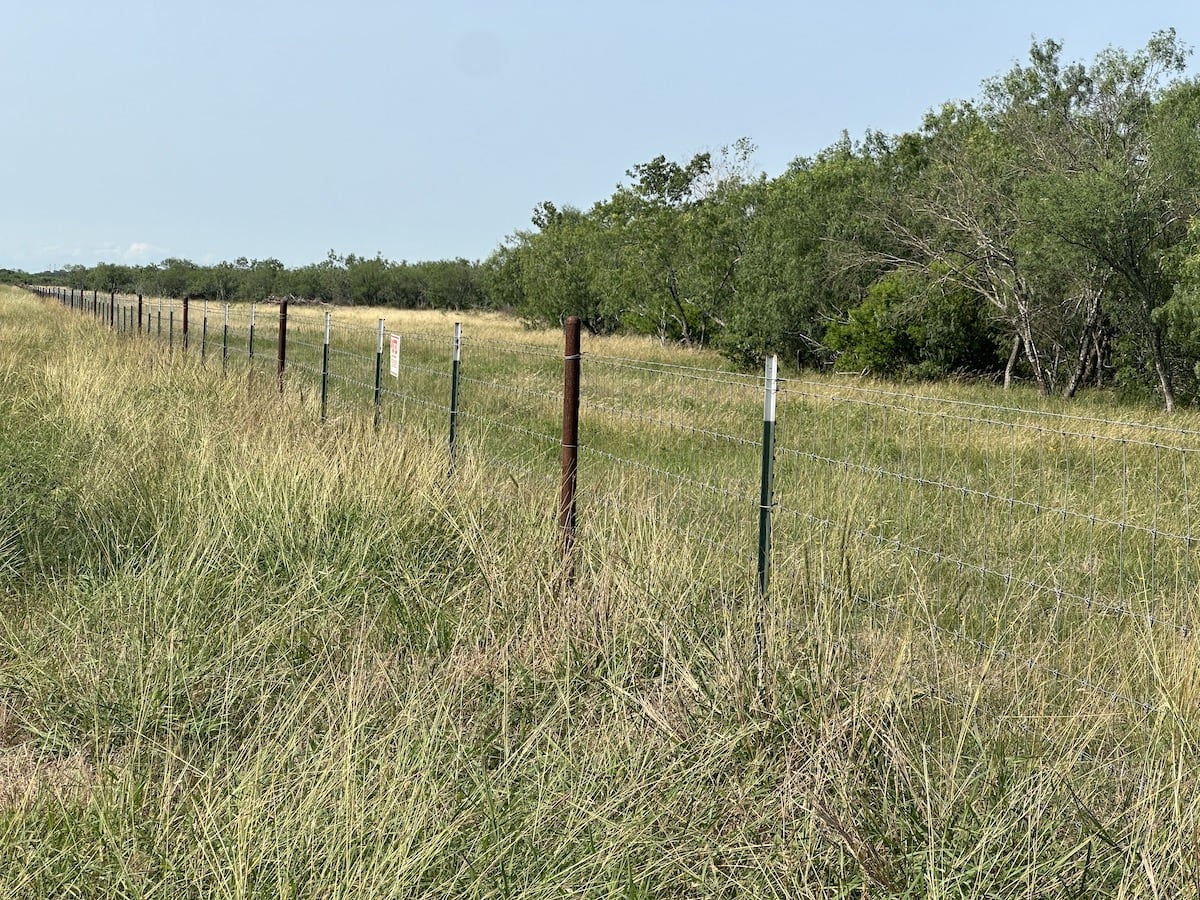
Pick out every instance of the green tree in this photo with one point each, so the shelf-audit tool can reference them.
(1117, 151)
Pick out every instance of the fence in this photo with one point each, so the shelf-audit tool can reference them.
(1052, 550)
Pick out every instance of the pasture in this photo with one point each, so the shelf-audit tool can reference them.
(245, 652)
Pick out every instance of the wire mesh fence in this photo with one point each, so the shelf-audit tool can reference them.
(1034, 549)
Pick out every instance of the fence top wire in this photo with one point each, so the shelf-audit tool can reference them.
(1039, 507)
(676, 477)
(1091, 605)
(1015, 425)
(538, 350)
(518, 390)
(693, 373)
(669, 424)
(828, 391)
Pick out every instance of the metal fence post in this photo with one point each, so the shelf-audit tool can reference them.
(225, 341)
(112, 309)
(379, 377)
(171, 329)
(139, 313)
(454, 367)
(204, 332)
(325, 371)
(186, 299)
(570, 448)
(766, 501)
(160, 316)
(281, 354)
(250, 349)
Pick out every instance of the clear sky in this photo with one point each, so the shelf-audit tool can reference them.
(142, 129)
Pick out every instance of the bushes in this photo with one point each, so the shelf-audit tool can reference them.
(914, 327)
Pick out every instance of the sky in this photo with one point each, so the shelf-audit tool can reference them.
(137, 130)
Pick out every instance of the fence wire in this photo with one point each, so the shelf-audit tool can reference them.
(1040, 543)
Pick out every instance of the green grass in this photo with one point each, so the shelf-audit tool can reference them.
(245, 655)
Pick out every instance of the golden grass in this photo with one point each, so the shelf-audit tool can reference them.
(302, 661)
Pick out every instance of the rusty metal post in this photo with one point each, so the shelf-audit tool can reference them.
(570, 449)
(281, 355)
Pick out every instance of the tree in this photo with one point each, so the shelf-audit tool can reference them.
(1116, 150)
(557, 265)
(811, 250)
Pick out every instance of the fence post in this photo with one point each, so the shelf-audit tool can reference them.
(250, 349)
(204, 332)
(171, 329)
(281, 354)
(379, 377)
(160, 317)
(570, 449)
(112, 309)
(454, 367)
(139, 313)
(325, 370)
(766, 501)
(225, 340)
(186, 299)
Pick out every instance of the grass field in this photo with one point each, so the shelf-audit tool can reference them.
(244, 654)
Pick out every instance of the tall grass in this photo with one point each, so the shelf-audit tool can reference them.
(242, 655)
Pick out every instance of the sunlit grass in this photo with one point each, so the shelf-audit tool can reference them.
(242, 654)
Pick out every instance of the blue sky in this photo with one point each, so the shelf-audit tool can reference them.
(140, 130)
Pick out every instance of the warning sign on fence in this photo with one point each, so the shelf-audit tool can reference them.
(395, 361)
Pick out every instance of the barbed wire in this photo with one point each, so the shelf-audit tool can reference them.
(1089, 603)
(727, 379)
(1009, 500)
(470, 416)
(829, 394)
(512, 389)
(665, 473)
(535, 350)
(1011, 425)
(710, 529)
(619, 412)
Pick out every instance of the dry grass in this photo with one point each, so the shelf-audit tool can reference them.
(244, 655)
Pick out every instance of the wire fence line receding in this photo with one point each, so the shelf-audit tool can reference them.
(1041, 544)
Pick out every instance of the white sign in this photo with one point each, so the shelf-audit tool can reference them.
(395, 362)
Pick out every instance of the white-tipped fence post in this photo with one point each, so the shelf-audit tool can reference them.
(766, 502)
(325, 371)
(454, 367)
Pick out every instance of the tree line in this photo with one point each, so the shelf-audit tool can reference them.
(347, 280)
(1047, 230)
